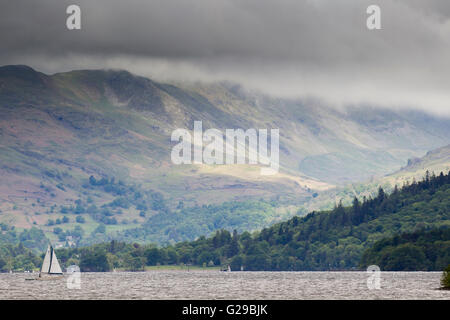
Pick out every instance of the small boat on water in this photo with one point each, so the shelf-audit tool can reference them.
(227, 269)
(50, 267)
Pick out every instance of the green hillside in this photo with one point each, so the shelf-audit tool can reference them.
(331, 240)
(327, 240)
(427, 250)
(436, 160)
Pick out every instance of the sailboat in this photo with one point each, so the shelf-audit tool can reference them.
(50, 267)
(228, 269)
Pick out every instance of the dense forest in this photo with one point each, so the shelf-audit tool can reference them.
(426, 250)
(329, 240)
(18, 258)
(396, 227)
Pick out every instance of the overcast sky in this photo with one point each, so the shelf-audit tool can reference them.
(294, 48)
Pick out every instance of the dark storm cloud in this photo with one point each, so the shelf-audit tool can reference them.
(285, 47)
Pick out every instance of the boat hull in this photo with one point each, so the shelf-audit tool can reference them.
(50, 276)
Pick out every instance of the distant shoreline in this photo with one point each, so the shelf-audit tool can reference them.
(171, 267)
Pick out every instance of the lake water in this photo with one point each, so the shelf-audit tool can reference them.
(224, 285)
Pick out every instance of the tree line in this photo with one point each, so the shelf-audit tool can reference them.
(327, 240)
(425, 250)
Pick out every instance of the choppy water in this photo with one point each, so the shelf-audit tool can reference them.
(223, 285)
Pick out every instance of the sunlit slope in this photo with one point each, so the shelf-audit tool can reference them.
(434, 161)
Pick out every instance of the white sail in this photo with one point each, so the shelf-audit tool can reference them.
(46, 264)
(51, 264)
(55, 267)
